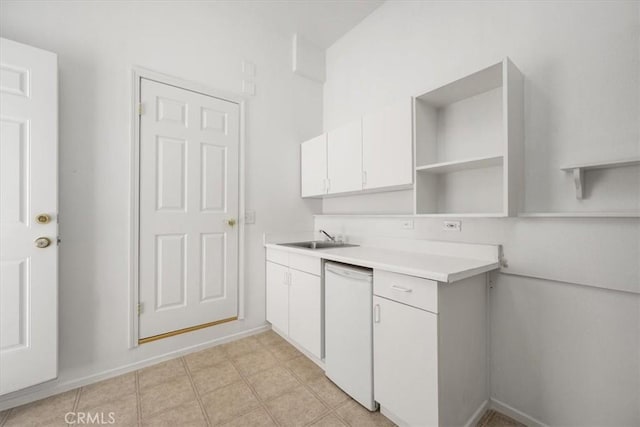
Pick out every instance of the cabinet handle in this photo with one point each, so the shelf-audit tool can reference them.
(401, 289)
(287, 278)
(364, 178)
(376, 313)
(328, 185)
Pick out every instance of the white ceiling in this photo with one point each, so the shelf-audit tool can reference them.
(321, 22)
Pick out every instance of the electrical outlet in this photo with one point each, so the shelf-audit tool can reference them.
(452, 225)
(250, 217)
(408, 224)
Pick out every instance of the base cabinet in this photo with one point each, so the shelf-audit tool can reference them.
(429, 349)
(278, 296)
(294, 298)
(406, 361)
(304, 311)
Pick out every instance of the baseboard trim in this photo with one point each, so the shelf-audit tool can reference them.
(21, 398)
(297, 346)
(515, 414)
(475, 417)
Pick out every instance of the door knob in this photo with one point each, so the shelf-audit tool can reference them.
(231, 222)
(42, 242)
(43, 218)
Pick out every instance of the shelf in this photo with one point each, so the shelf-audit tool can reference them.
(579, 170)
(466, 87)
(580, 215)
(476, 121)
(458, 165)
(604, 165)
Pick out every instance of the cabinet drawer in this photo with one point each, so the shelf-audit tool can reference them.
(279, 257)
(413, 291)
(308, 264)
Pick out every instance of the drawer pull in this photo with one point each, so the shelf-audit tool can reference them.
(401, 289)
(376, 313)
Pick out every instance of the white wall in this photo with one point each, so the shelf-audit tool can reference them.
(97, 43)
(580, 61)
(566, 344)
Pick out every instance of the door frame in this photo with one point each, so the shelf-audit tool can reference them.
(134, 267)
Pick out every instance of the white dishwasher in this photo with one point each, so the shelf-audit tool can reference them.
(349, 330)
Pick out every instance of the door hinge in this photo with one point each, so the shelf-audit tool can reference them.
(140, 308)
(58, 240)
(140, 109)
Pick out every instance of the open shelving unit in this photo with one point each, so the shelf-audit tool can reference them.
(468, 142)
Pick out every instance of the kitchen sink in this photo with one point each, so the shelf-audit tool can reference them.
(318, 244)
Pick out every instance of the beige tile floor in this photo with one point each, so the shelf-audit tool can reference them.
(256, 381)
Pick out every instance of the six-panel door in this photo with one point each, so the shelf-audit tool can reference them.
(28, 216)
(189, 184)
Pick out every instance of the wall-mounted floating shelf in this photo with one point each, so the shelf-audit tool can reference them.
(580, 169)
(580, 215)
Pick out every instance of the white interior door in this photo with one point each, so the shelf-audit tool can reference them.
(189, 152)
(28, 213)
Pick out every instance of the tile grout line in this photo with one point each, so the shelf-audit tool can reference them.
(304, 384)
(76, 401)
(331, 410)
(195, 390)
(337, 414)
(255, 393)
(5, 416)
(138, 399)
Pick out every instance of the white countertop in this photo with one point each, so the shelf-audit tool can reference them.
(443, 268)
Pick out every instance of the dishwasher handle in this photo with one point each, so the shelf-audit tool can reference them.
(348, 273)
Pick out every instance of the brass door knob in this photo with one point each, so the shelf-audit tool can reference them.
(42, 242)
(231, 222)
(43, 218)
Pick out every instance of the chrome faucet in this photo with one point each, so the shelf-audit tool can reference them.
(333, 239)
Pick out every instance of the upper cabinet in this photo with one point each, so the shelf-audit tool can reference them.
(370, 154)
(469, 139)
(387, 146)
(344, 148)
(313, 167)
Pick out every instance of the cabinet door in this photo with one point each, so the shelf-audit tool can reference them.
(344, 158)
(305, 311)
(278, 296)
(405, 361)
(387, 146)
(313, 166)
